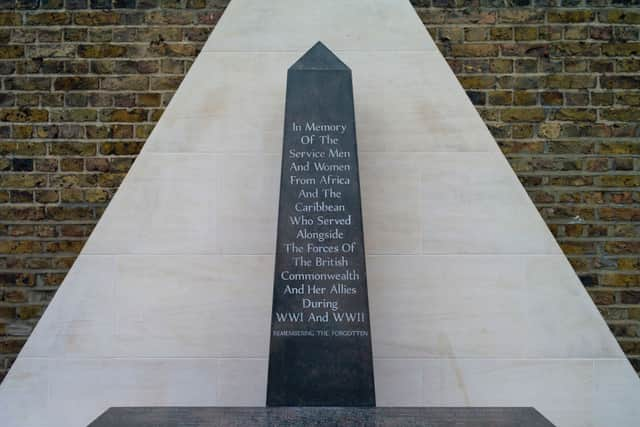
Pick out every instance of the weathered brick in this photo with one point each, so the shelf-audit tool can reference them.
(573, 49)
(619, 214)
(631, 297)
(601, 32)
(27, 99)
(503, 97)
(74, 115)
(474, 50)
(100, 34)
(47, 196)
(578, 248)
(156, 114)
(524, 49)
(571, 181)
(477, 82)
(22, 148)
(74, 230)
(133, 115)
(101, 51)
(620, 114)
(26, 4)
(622, 164)
(18, 246)
(603, 297)
(549, 130)
(124, 100)
(525, 98)
(99, 132)
(11, 52)
(12, 346)
(169, 17)
(127, 67)
(175, 49)
(96, 195)
(621, 49)
(622, 247)
(597, 164)
(46, 165)
(138, 83)
(568, 81)
(99, 164)
(67, 148)
(27, 83)
(73, 182)
(475, 34)
(574, 115)
(620, 82)
(148, 100)
(601, 98)
(574, 32)
(525, 33)
(48, 18)
(97, 18)
(501, 33)
(619, 180)
(65, 213)
(529, 65)
(519, 82)
(172, 66)
(619, 147)
(626, 98)
(121, 148)
(143, 131)
(521, 16)
(570, 16)
(50, 35)
(472, 66)
(551, 98)
(21, 180)
(500, 65)
(22, 165)
(110, 180)
(25, 312)
(121, 164)
(550, 32)
(10, 19)
(72, 164)
(76, 83)
(17, 279)
(522, 114)
(470, 16)
(196, 34)
(23, 115)
(623, 16)
(69, 195)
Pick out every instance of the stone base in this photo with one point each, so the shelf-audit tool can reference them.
(310, 416)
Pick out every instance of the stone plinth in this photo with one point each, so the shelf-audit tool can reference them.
(321, 417)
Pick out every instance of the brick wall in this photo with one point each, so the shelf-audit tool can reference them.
(560, 90)
(83, 82)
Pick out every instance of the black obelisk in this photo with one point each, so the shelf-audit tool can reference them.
(320, 351)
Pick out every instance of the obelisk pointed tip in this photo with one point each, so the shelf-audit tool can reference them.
(319, 57)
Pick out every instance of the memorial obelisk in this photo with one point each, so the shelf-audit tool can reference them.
(320, 335)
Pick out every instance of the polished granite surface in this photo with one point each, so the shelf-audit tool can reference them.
(308, 416)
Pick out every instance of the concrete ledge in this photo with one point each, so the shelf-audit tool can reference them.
(308, 416)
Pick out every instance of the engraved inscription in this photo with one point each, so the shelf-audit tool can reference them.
(320, 353)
